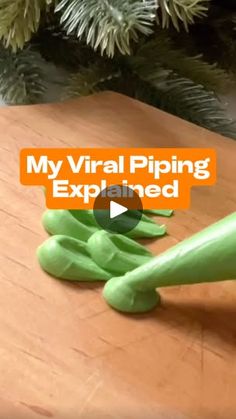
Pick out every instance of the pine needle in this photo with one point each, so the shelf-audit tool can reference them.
(186, 99)
(180, 11)
(161, 50)
(108, 24)
(19, 19)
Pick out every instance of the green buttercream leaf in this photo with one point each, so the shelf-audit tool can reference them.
(68, 258)
(116, 253)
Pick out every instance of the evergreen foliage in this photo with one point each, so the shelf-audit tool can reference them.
(163, 52)
(21, 76)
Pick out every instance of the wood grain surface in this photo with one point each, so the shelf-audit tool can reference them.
(64, 353)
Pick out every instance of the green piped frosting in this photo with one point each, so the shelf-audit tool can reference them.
(64, 222)
(116, 253)
(81, 224)
(208, 256)
(68, 258)
(161, 213)
(102, 257)
(80, 251)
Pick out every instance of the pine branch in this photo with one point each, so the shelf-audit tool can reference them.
(21, 76)
(183, 11)
(184, 98)
(213, 37)
(160, 51)
(190, 101)
(89, 80)
(19, 19)
(108, 24)
(56, 46)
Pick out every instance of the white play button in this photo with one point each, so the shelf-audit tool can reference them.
(116, 209)
(119, 216)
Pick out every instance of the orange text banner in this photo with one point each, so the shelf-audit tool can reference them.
(74, 177)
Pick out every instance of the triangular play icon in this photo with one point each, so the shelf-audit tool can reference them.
(116, 209)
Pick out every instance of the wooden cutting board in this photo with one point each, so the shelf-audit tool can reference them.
(64, 353)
